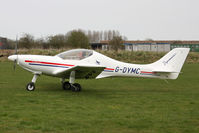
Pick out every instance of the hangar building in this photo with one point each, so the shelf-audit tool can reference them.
(155, 46)
(3, 43)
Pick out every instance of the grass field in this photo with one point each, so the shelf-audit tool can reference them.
(127, 105)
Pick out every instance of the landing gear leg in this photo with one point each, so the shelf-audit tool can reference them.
(74, 86)
(31, 86)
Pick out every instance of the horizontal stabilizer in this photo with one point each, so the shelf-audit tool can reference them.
(165, 71)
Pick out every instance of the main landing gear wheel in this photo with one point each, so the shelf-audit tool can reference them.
(76, 87)
(30, 86)
(66, 86)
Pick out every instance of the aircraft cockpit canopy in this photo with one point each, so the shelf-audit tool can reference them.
(77, 54)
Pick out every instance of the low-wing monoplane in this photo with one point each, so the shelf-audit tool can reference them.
(87, 64)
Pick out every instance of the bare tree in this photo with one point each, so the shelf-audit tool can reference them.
(116, 43)
(26, 41)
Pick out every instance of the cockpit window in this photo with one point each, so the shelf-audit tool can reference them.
(78, 54)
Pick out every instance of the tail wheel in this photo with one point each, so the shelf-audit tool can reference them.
(66, 86)
(30, 86)
(76, 87)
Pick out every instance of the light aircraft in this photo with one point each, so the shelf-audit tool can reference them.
(87, 64)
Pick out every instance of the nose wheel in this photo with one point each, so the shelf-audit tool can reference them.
(30, 86)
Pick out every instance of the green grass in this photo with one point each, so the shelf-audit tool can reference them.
(106, 105)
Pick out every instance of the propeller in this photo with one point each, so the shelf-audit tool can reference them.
(16, 53)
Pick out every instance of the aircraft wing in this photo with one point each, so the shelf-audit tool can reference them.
(86, 71)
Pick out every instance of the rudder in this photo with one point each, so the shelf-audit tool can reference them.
(171, 63)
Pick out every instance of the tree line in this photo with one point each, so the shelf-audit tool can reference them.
(72, 39)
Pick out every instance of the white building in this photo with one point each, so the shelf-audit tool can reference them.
(147, 46)
(155, 46)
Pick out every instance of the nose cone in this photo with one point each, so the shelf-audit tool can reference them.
(12, 57)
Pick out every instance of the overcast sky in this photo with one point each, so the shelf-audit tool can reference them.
(136, 19)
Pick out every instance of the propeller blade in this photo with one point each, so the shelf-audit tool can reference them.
(16, 46)
(16, 53)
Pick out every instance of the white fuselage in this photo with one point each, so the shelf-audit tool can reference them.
(49, 64)
(168, 67)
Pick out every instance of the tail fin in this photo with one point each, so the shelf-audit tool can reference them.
(171, 64)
